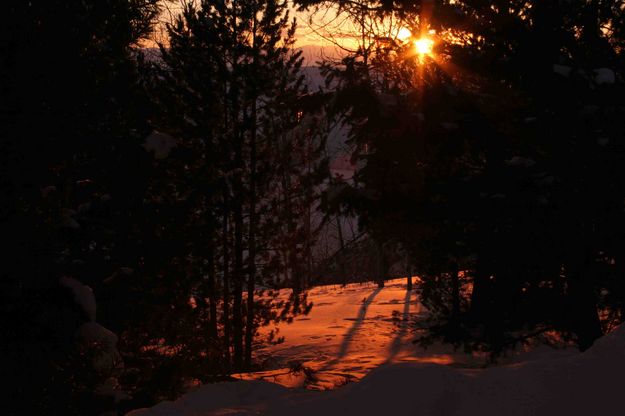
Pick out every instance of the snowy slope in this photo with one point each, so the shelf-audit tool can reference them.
(590, 383)
(350, 331)
(353, 332)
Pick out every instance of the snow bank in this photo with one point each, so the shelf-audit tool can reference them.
(604, 76)
(160, 144)
(99, 343)
(83, 295)
(103, 342)
(582, 384)
(221, 398)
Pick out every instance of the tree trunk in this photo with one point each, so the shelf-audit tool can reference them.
(293, 264)
(249, 327)
(295, 276)
(380, 264)
(408, 274)
(308, 222)
(455, 294)
(480, 294)
(237, 317)
(455, 302)
(582, 303)
(341, 250)
(212, 299)
(308, 242)
(226, 290)
(238, 200)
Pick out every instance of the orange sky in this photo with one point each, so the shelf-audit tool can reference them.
(319, 34)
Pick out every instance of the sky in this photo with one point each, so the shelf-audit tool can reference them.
(330, 33)
(324, 33)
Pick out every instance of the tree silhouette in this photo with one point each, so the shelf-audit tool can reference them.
(491, 161)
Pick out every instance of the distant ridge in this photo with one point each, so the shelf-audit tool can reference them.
(313, 54)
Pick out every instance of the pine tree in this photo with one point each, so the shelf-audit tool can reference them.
(492, 160)
(71, 110)
(231, 77)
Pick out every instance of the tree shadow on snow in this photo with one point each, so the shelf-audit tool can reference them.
(403, 328)
(349, 336)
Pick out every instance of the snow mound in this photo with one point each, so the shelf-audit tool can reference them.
(518, 161)
(161, 144)
(563, 70)
(102, 345)
(582, 384)
(83, 295)
(610, 346)
(220, 399)
(604, 76)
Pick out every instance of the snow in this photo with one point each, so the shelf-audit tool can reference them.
(47, 190)
(111, 388)
(449, 126)
(350, 331)
(98, 343)
(580, 384)
(604, 76)
(216, 399)
(519, 161)
(160, 144)
(83, 295)
(67, 219)
(563, 70)
(102, 344)
(94, 332)
(360, 332)
(599, 76)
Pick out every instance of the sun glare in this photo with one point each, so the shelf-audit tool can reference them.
(404, 34)
(424, 46)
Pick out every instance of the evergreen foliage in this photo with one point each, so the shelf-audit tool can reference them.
(182, 183)
(494, 162)
(149, 176)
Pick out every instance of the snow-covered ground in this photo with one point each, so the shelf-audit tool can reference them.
(361, 331)
(349, 331)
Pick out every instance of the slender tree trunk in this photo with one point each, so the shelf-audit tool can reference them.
(620, 272)
(237, 318)
(341, 250)
(237, 140)
(225, 244)
(309, 202)
(295, 269)
(480, 293)
(249, 327)
(226, 289)
(408, 274)
(455, 294)
(586, 323)
(292, 266)
(380, 264)
(308, 243)
(212, 298)
(582, 302)
(297, 288)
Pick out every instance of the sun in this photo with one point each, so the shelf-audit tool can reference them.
(404, 34)
(424, 46)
